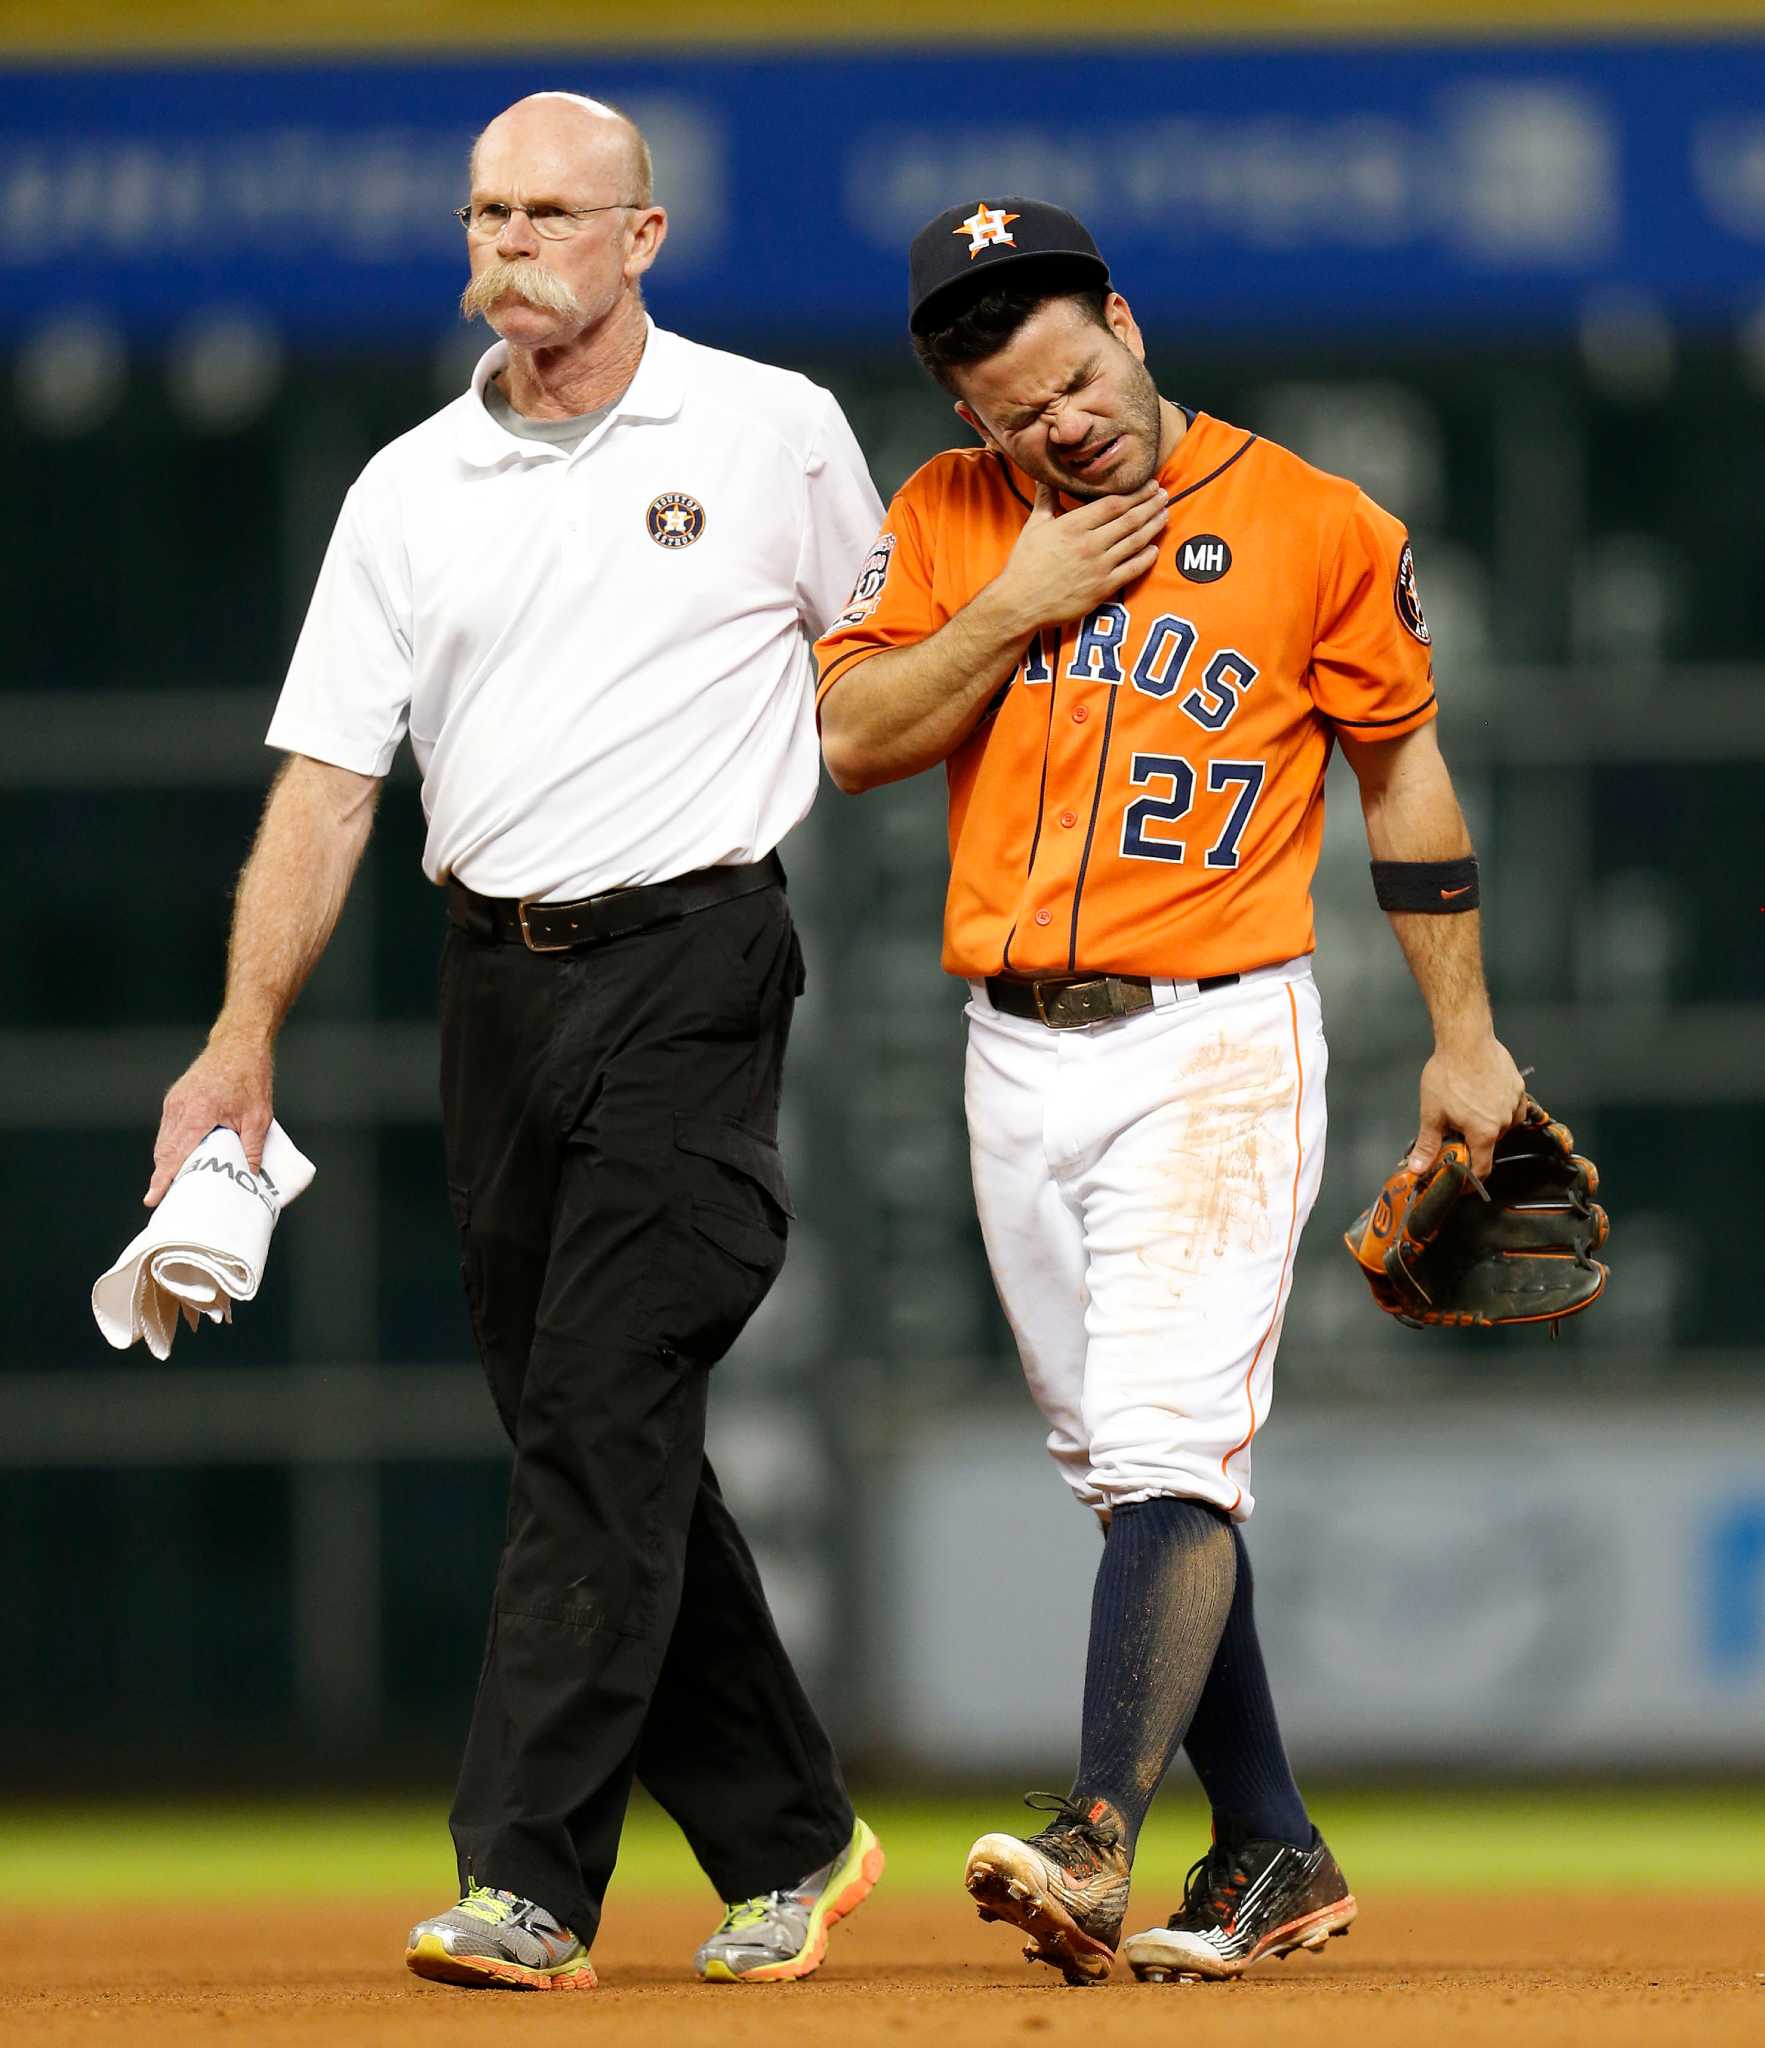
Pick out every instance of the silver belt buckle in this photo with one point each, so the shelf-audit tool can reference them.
(528, 940)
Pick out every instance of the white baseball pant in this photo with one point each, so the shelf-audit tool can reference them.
(1142, 1186)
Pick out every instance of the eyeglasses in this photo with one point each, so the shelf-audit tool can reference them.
(554, 223)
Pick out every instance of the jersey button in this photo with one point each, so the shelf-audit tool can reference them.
(1080, 712)
(1069, 819)
(1044, 917)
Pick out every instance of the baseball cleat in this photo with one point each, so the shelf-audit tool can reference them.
(495, 1941)
(1242, 1904)
(1066, 1888)
(781, 1935)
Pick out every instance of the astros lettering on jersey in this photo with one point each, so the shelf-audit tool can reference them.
(1145, 794)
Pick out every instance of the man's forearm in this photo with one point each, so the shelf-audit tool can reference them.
(290, 893)
(908, 708)
(1470, 1083)
(292, 890)
(1445, 955)
(1414, 816)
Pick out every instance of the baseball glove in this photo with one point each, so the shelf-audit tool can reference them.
(1441, 1247)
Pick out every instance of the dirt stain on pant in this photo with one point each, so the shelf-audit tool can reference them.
(1214, 1192)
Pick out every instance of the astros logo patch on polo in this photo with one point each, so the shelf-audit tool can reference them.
(985, 229)
(1409, 598)
(675, 520)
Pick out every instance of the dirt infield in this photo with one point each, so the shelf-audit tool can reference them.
(1420, 1972)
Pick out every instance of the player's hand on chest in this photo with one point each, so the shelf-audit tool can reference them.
(1062, 564)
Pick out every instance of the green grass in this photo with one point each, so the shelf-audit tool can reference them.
(1580, 1839)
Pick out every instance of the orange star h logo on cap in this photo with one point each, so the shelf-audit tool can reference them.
(985, 228)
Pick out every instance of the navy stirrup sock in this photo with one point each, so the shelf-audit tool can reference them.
(1163, 1592)
(1234, 1740)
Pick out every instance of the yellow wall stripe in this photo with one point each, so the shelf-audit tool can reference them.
(89, 30)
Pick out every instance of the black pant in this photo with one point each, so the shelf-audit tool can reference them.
(611, 1120)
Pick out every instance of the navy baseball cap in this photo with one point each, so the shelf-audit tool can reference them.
(962, 253)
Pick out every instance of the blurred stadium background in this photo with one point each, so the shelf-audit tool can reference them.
(1503, 263)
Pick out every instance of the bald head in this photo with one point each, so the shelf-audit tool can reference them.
(567, 136)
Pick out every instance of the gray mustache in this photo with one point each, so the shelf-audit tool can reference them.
(528, 281)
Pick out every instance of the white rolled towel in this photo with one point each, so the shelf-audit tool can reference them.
(206, 1245)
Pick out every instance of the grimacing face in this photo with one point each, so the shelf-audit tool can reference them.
(554, 154)
(1071, 403)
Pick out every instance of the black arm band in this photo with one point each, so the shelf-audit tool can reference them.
(1433, 887)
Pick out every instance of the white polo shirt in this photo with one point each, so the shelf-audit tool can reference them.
(603, 656)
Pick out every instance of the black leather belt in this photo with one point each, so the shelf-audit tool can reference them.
(616, 914)
(1072, 1001)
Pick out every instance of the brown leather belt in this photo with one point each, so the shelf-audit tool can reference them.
(615, 914)
(1070, 1002)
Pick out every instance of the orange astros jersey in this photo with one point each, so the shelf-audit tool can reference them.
(1145, 795)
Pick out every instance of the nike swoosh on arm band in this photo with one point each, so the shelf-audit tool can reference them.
(1431, 887)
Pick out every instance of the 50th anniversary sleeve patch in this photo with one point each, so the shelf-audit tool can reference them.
(869, 587)
(1409, 598)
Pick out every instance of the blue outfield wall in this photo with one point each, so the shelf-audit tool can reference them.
(1387, 189)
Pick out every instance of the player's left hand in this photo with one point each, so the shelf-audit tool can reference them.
(1474, 1089)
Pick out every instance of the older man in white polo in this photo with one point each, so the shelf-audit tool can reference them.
(588, 589)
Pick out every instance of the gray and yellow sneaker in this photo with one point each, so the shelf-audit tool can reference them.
(1066, 1888)
(1244, 1902)
(494, 1940)
(780, 1935)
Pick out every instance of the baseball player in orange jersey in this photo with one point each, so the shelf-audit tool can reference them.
(1132, 634)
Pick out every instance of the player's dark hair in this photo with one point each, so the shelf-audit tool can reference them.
(986, 324)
